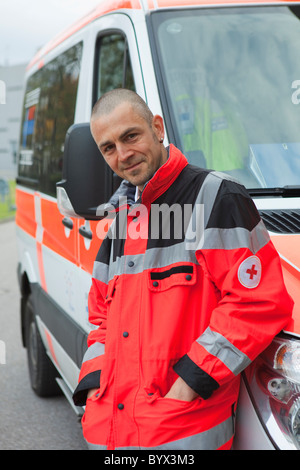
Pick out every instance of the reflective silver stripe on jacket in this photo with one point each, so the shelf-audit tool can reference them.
(95, 446)
(212, 439)
(95, 350)
(223, 239)
(100, 272)
(220, 347)
(238, 237)
(153, 258)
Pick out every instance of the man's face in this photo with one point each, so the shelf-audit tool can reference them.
(129, 145)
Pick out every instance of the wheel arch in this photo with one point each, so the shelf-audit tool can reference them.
(25, 292)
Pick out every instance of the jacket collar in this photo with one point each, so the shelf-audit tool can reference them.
(164, 176)
(155, 187)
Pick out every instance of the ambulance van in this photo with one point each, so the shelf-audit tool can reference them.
(225, 76)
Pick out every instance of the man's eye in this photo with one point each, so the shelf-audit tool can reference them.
(108, 149)
(131, 136)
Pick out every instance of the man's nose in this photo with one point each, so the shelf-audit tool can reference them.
(124, 152)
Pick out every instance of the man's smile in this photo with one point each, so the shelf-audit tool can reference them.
(132, 167)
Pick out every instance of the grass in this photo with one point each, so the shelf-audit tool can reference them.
(7, 202)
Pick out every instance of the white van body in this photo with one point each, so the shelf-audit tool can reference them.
(56, 252)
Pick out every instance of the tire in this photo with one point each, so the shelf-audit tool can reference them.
(42, 372)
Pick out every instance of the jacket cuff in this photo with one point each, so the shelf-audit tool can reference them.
(91, 380)
(202, 383)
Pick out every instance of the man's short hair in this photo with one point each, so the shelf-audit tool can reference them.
(113, 98)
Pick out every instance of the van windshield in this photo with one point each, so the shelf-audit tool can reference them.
(230, 79)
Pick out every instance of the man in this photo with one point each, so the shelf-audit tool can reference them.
(177, 321)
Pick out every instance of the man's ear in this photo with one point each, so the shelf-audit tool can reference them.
(158, 127)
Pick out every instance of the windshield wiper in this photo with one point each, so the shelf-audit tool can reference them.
(285, 191)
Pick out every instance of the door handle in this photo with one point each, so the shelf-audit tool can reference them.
(68, 223)
(85, 233)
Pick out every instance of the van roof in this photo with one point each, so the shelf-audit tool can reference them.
(107, 6)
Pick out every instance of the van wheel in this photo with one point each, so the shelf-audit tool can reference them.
(42, 372)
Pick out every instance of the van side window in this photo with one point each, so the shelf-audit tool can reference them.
(113, 65)
(49, 110)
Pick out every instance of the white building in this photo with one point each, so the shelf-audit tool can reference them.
(11, 101)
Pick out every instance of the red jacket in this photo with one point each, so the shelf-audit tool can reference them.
(165, 307)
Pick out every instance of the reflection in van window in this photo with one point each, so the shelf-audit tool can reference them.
(228, 77)
(49, 110)
(114, 67)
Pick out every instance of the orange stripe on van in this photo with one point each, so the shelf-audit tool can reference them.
(55, 233)
(87, 256)
(41, 64)
(26, 220)
(25, 216)
(41, 266)
(288, 249)
(292, 285)
(51, 348)
(151, 4)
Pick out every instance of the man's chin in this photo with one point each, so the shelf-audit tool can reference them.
(137, 180)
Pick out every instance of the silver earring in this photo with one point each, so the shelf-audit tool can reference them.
(161, 140)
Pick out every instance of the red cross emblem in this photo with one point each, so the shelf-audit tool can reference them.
(252, 272)
(249, 272)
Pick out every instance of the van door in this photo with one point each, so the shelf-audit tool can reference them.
(116, 66)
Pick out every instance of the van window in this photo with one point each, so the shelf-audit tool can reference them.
(230, 79)
(49, 110)
(113, 65)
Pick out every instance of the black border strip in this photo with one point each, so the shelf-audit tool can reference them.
(177, 269)
(71, 337)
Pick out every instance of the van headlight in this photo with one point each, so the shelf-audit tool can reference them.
(274, 384)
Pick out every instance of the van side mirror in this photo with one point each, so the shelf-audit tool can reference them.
(87, 179)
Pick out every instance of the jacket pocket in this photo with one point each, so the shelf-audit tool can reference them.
(161, 279)
(98, 393)
(169, 403)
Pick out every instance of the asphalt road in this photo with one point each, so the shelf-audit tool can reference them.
(27, 422)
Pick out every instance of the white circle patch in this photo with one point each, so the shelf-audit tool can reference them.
(249, 272)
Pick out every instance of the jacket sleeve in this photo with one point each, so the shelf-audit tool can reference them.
(90, 372)
(239, 259)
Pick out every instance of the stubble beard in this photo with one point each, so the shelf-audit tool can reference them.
(141, 180)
